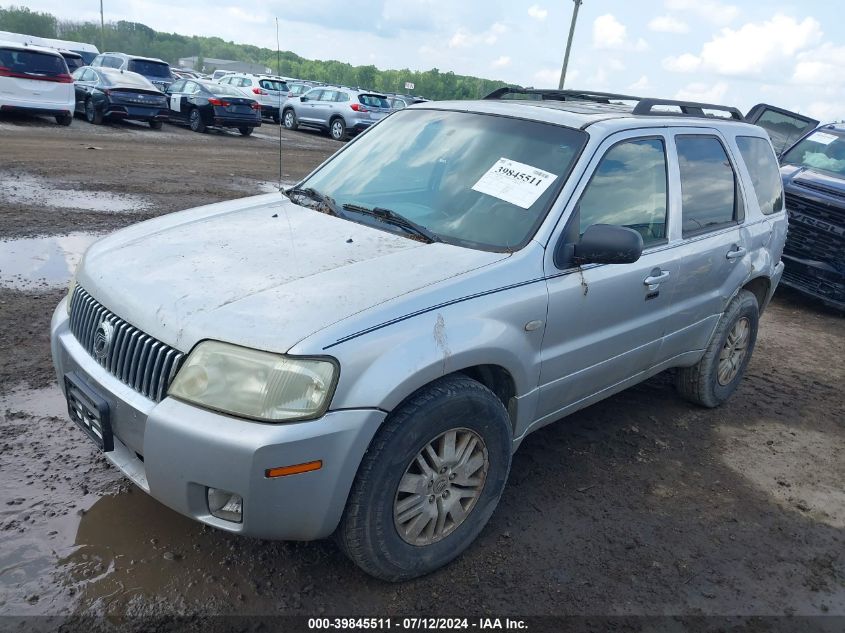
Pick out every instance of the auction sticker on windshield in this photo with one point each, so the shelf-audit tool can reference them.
(822, 137)
(514, 182)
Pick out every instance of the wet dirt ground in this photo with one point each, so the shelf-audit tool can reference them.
(642, 504)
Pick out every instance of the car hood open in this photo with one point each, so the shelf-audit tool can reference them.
(260, 272)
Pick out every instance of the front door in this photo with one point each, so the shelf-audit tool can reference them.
(606, 321)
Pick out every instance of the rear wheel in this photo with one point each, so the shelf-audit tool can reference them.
(429, 481)
(92, 113)
(289, 120)
(156, 125)
(337, 129)
(712, 380)
(245, 131)
(64, 119)
(195, 121)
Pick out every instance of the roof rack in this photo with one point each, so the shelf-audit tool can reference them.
(645, 105)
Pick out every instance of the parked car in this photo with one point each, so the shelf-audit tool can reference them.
(362, 355)
(217, 74)
(36, 80)
(336, 110)
(271, 92)
(812, 160)
(106, 93)
(397, 102)
(297, 88)
(203, 104)
(155, 70)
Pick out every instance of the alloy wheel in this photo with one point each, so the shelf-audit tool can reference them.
(734, 351)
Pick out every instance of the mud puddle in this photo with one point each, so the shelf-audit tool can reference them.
(42, 262)
(25, 189)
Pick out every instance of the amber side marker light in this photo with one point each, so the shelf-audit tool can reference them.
(284, 471)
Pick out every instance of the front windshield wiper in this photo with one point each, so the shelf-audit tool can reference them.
(391, 217)
(326, 204)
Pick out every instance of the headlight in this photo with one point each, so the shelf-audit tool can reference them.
(254, 384)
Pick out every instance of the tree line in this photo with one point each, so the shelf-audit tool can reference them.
(139, 39)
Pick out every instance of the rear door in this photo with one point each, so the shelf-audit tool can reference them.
(323, 107)
(177, 100)
(714, 252)
(784, 127)
(34, 78)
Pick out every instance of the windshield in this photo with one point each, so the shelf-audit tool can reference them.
(823, 150)
(476, 180)
(272, 84)
(149, 69)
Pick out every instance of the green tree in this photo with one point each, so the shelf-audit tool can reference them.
(23, 20)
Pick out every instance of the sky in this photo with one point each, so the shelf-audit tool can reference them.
(733, 52)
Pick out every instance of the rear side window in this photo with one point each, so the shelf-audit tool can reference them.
(628, 189)
(708, 184)
(341, 96)
(765, 176)
(31, 64)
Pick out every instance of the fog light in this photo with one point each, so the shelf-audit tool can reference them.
(225, 505)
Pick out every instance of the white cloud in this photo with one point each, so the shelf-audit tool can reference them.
(710, 10)
(668, 24)
(463, 38)
(821, 66)
(754, 48)
(546, 77)
(245, 16)
(640, 84)
(685, 63)
(503, 61)
(610, 34)
(826, 111)
(537, 12)
(708, 93)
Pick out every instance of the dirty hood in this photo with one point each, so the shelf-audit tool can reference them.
(260, 272)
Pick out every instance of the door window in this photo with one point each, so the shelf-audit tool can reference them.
(177, 87)
(708, 184)
(629, 189)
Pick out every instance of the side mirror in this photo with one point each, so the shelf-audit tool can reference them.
(608, 244)
(303, 98)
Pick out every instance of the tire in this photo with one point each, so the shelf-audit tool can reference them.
(92, 114)
(245, 131)
(337, 129)
(289, 120)
(156, 125)
(712, 380)
(195, 121)
(64, 119)
(376, 510)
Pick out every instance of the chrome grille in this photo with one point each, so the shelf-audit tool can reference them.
(137, 359)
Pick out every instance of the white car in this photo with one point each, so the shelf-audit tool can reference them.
(269, 90)
(35, 79)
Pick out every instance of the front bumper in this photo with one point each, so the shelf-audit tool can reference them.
(820, 280)
(175, 451)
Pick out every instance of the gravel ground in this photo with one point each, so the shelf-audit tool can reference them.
(641, 504)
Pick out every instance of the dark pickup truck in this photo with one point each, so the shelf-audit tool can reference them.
(812, 158)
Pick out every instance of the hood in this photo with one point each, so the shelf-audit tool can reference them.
(806, 178)
(260, 272)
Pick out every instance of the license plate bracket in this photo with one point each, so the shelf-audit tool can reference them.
(89, 411)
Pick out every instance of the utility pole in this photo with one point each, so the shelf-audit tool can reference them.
(102, 29)
(569, 43)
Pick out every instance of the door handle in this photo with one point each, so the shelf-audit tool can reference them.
(657, 276)
(738, 252)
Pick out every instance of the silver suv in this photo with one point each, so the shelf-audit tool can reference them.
(340, 111)
(361, 354)
(268, 90)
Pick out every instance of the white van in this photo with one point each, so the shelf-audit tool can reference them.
(36, 80)
(86, 51)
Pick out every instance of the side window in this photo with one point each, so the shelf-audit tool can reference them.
(765, 176)
(314, 95)
(179, 86)
(225, 80)
(341, 96)
(98, 61)
(191, 88)
(708, 184)
(112, 62)
(327, 95)
(629, 189)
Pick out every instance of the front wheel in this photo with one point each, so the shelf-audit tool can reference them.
(337, 129)
(289, 120)
(245, 131)
(429, 481)
(195, 121)
(155, 125)
(712, 380)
